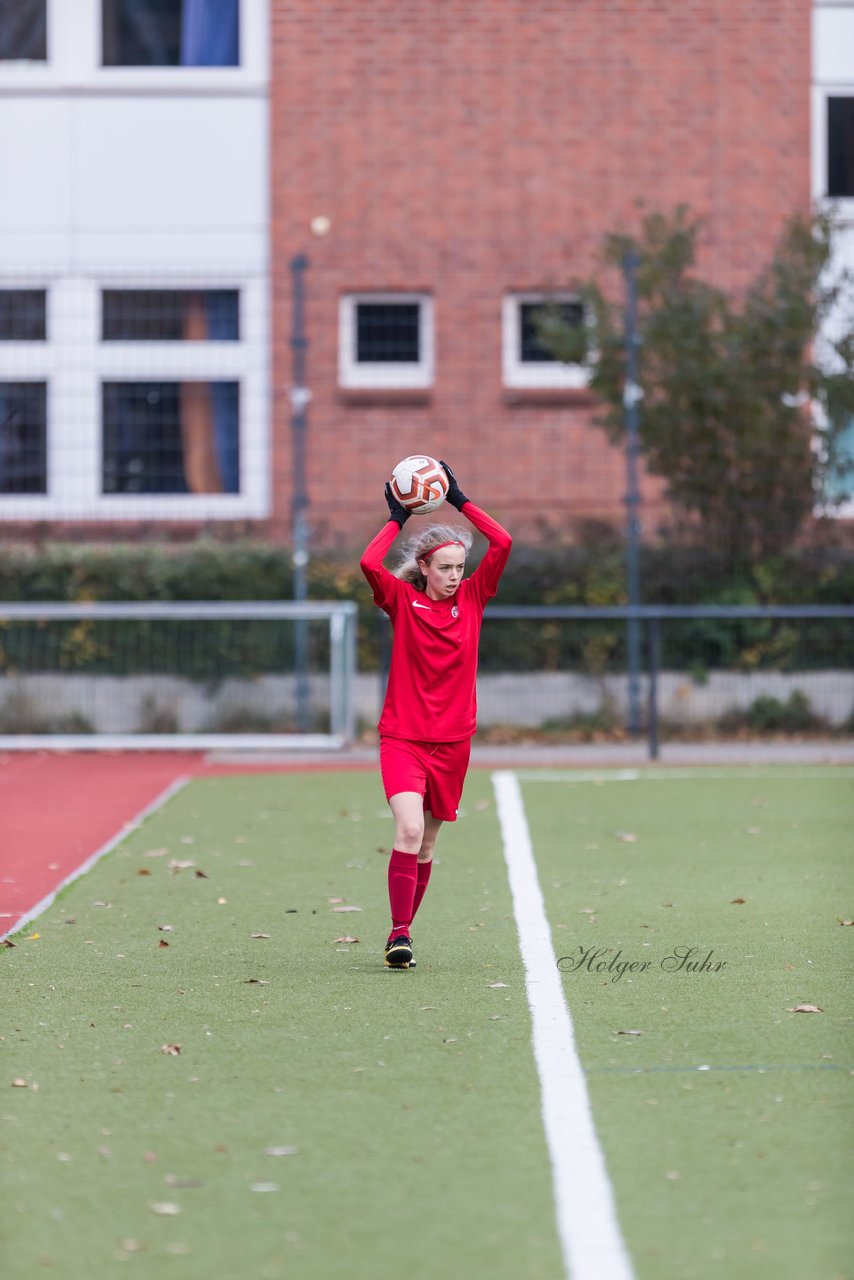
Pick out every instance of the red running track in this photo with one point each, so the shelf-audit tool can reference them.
(58, 810)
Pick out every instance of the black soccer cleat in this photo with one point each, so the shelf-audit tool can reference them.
(398, 953)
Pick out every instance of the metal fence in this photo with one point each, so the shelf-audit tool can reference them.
(727, 670)
(740, 666)
(177, 675)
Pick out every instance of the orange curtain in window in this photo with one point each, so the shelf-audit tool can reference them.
(201, 468)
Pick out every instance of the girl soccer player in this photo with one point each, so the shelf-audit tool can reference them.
(429, 713)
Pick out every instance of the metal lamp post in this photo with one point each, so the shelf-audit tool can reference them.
(300, 396)
(632, 395)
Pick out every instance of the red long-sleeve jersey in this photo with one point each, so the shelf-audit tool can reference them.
(431, 693)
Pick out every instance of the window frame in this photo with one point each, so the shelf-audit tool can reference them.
(75, 361)
(536, 375)
(379, 375)
(74, 59)
(844, 205)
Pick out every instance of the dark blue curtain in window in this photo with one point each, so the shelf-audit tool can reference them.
(210, 33)
(224, 401)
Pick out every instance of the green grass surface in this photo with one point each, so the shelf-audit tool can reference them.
(744, 1169)
(411, 1099)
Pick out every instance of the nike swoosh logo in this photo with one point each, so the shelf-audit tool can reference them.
(416, 605)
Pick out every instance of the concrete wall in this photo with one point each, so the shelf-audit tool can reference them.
(133, 703)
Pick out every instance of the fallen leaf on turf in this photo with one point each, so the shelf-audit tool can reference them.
(156, 853)
(280, 1151)
(841, 922)
(627, 837)
(733, 901)
(495, 985)
(754, 831)
(263, 1186)
(259, 982)
(346, 908)
(348, 939)
(32, 937)
(629, 1033)
(222, 901)
(18, 1083)
(181, 864)
(163, 943)
(166, 928)
(171, 1049)
(165, 1208)
(334, 899)
(259, 935)
(201, 875)
(7, 943)
(143, 871)
(805, 1008)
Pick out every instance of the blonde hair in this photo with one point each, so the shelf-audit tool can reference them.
(422, 544)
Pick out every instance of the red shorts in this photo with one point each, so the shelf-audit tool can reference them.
(436, 770)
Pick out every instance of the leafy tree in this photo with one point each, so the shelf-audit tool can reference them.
(742, 412)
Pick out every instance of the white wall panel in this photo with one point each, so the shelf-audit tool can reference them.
(36, 160)
(833, 44)
(193, 163)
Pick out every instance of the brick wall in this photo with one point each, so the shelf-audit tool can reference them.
(469, 150)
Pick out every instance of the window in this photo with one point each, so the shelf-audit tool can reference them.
(170, 315)
(526, 362)
(840, 146)
(386, 341)
(146, 397)
(23, 437)
(23, 30)
(23, 315)
(170, 33)
(839, 478)
(170, 437)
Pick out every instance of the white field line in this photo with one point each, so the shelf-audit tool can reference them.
(590, 1236)
(33, 913)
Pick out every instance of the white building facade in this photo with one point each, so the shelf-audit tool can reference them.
(833, 168)
(134, 232)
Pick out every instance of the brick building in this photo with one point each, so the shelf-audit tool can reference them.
(463, 161)
(444, 166)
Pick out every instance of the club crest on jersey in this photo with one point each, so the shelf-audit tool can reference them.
(455, 613)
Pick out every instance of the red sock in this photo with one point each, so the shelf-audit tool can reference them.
(424, 869)
(402, 881)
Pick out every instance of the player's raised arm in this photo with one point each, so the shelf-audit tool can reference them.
(371, 562)
(488, 573)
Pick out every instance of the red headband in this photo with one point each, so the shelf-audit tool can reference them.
(453, 543)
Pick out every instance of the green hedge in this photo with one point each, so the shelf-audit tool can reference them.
(586, 574)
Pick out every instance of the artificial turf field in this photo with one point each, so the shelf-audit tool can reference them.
(324, 1117)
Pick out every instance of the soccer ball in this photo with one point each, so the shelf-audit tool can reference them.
(420, 484)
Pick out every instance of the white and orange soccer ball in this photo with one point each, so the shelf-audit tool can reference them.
(420, 484)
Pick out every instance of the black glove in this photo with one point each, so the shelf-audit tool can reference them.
(455, 495)
(395, 510)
